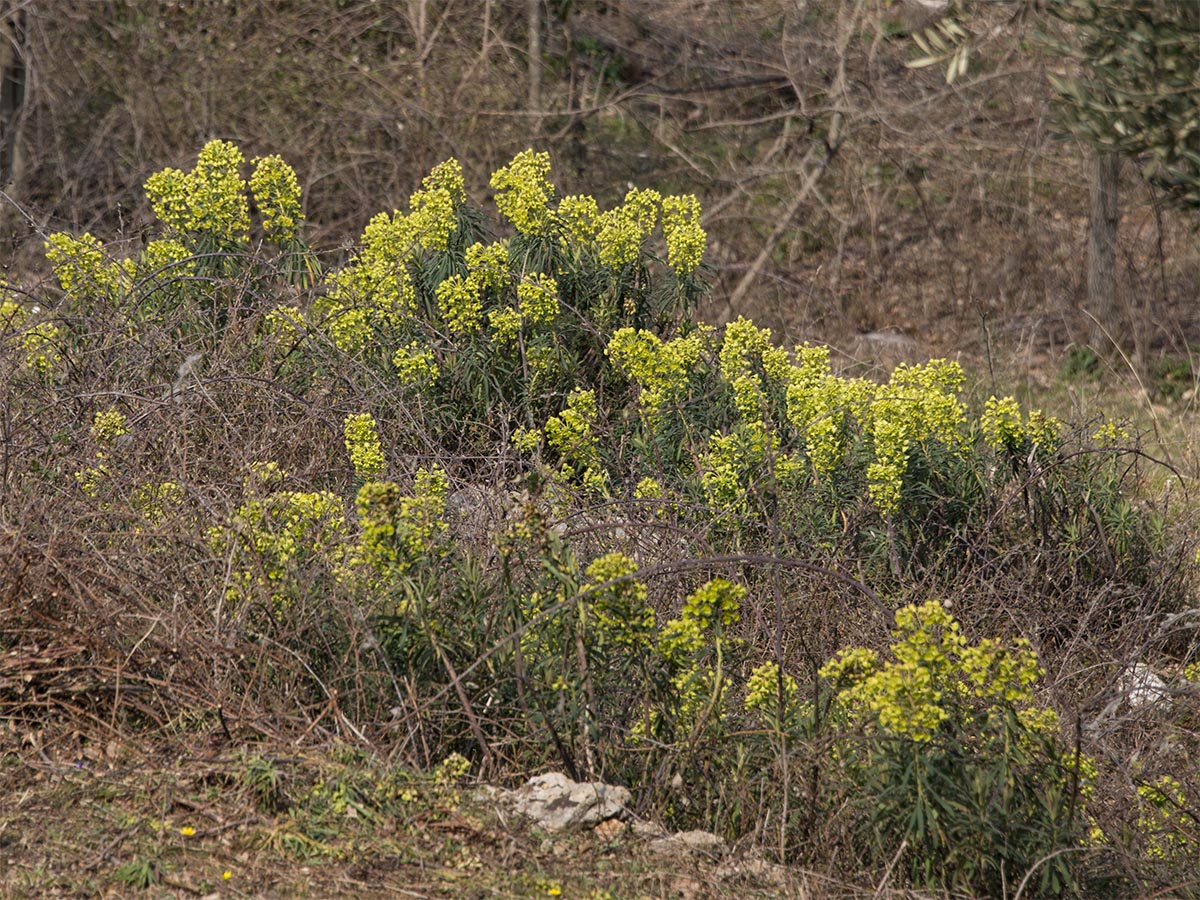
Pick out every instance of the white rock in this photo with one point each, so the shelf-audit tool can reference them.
(556, 803)
(1142, 686)
(700, 842)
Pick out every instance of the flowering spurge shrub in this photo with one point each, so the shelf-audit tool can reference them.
(950, 759)
(399, 532)
(569, 341)
(498, 330)
(614, 684)
(211, 260)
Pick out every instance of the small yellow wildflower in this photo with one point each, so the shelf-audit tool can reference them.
(1110, 434)
(767, 688)
(415, 366)
(81, 264)
(461, 303)
(209, 200)
(1001, 424)
(187, 831)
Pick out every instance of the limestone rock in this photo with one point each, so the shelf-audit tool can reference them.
(703, 843)
(556, 803)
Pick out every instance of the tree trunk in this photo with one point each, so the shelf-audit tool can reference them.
(1102, 252)
(535, 55)
(12, 96)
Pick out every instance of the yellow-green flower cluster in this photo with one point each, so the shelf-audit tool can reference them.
(697, 686)
(263, 475)
(505, 324)
(772, 693)
(461, 303)
(679, 641)
(1110, 434)
(684, 235)
(624, 229)
(580, 218)
(460, 298)
(572, 434)
(378, 508)
(166, 259)
(648, 489)
(108, 426)
(919, 403)
(934, 670)
(732, 461)
(39, 340)
(538, 296)
(41, 349)
(210, 200)
(527, 440)
(488, 265)
(374, 291)
(819, 404)
(415, 366)
(544, 359)
(362, 443)
(1003, 430)
(716, 604)
(524, 192)
(81, 265)
(1167, 828)
(451, 770)
(753, 367)
(154, 499)
(284, 323)
(349, 328)
(434, 208)
(622, 614)
(1001, 423)
(276, 193)
(12, 313)
(661, 370)
(273, 539)
(399, 531)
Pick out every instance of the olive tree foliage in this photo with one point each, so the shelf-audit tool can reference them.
(1133, 92)
(1136, 88)
(1129, 89)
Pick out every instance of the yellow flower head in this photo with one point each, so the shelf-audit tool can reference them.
(209, 200)
(362, 443)
(684, 235)
(523, 192)
(276, 193)
(623, 230)
(580, 217)
(435, 207)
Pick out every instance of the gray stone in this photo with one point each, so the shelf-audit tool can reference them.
(704, 843)
(556, 803)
